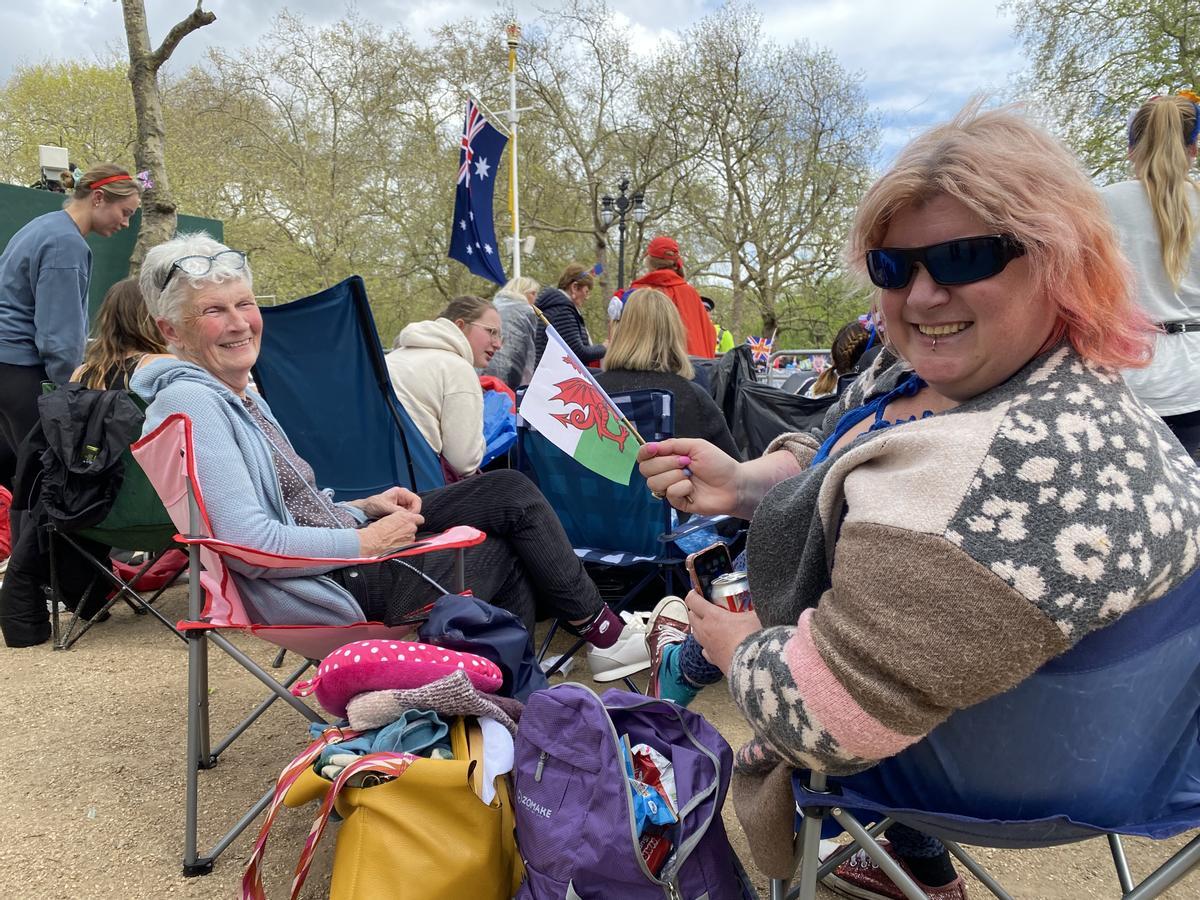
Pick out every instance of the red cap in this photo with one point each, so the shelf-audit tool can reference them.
(663, 247)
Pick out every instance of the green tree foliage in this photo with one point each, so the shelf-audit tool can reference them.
(330, 150)
(1094, 63)
(86, 108)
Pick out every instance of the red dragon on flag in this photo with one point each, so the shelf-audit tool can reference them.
(580, 391)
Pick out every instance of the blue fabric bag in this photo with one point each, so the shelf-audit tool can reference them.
(470, 625)
(499, 425)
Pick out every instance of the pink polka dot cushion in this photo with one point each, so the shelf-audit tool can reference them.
(381, 665)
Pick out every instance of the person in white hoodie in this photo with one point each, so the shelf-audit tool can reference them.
(433, 371)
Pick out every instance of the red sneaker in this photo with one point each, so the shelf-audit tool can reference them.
(668, 625)
(861, 878)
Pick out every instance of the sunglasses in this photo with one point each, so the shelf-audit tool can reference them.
(960, 261)
(199, 266)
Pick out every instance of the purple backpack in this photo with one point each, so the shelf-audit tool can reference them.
(575, 817)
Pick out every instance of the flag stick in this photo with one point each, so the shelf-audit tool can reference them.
(513, 39)
(493, 120)
(607, 400)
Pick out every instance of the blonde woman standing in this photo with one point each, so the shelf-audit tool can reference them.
(1157, 216)
(44, 275)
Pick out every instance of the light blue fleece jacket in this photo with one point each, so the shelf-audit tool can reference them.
(44, 274)
(244, 501)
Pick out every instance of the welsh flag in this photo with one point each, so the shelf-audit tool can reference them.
(566, 406)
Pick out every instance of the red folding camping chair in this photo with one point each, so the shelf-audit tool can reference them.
(166, 455)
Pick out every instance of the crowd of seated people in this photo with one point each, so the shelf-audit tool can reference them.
(950, 531)
(259, 492)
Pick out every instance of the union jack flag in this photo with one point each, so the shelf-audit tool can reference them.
(760, 348)
(473, 234)
(474, 124)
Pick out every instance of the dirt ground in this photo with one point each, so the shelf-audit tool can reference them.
(92, 805)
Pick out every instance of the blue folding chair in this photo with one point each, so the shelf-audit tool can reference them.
(1103, 741)
(321, 368)
(609, 524)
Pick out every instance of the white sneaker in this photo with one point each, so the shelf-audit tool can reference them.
(627, 656)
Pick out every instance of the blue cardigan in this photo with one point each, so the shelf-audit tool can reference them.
(244, 501)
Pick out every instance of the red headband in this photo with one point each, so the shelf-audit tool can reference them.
(124, 176)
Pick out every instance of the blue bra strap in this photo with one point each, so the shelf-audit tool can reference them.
(851, 417)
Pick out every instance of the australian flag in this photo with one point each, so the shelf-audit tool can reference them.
(473, 237)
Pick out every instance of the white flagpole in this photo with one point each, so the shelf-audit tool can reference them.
(512, 36)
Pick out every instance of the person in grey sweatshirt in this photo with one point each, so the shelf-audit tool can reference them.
(44, 275)
(513, 362)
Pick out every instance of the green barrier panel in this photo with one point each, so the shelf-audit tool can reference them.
(110, 256)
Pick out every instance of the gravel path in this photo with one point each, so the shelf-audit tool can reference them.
(92, 805)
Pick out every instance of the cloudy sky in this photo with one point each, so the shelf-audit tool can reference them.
(921, 58)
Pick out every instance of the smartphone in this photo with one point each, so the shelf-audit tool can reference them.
(705, 566)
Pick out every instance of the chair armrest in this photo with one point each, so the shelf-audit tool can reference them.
(455, 538)
(695, 523)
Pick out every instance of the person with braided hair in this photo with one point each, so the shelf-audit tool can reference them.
(849, 344)
(45, 272)
(1157, 215)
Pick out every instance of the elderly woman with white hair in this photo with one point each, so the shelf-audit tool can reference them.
(260, 493)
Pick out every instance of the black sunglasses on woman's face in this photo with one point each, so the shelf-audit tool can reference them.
(960, 261)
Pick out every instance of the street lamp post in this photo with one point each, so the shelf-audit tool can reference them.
(617, 207)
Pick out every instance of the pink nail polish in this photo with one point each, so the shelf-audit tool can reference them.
(685, 461)
(652, 446)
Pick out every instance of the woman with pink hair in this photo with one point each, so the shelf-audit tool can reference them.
(988, 493)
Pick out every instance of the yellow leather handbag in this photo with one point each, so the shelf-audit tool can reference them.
(425, 834)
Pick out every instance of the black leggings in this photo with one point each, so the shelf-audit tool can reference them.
(20, 387)
(525, 566)
(1186, 427)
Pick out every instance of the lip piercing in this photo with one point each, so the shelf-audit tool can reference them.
(934, 348)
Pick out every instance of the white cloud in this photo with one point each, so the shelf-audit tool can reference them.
(920, 60)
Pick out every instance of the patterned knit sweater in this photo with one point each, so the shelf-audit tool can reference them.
(928, 566)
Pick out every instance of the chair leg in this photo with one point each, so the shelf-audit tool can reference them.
(1118, 855)
(808, 844)
(262, 708)
(878, 855)
(546, 640)
(1169, 872)
(197, 752)
(55, 629)
(977, 870)
(277, 662)
(808, 849)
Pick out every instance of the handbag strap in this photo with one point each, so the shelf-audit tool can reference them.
(394, 764)
(252, 878)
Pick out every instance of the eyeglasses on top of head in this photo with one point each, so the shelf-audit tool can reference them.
(960, 261)
(199, 266)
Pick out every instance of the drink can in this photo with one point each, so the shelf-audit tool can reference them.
(732, 592)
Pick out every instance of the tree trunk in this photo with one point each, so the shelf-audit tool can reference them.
(158, 204)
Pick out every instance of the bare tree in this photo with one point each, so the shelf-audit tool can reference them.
(158, 204)
(788, 159)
